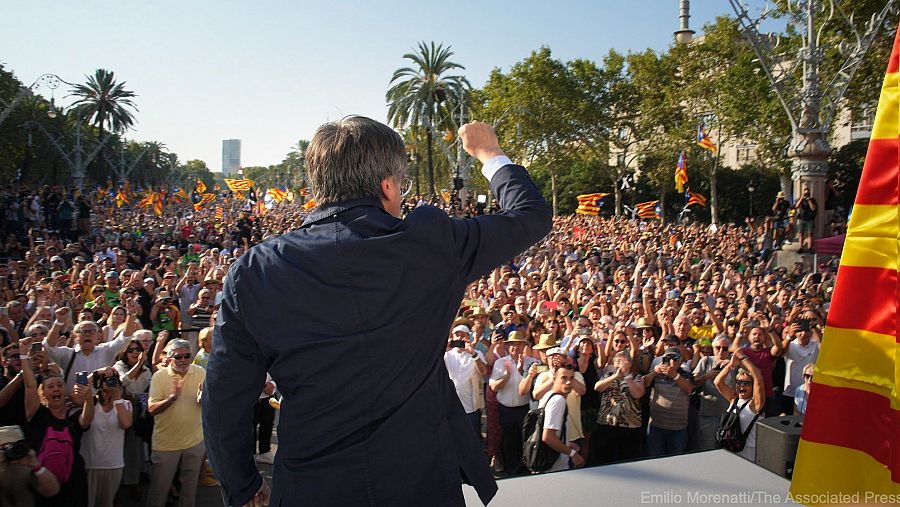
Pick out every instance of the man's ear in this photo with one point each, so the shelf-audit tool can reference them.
(387, 184)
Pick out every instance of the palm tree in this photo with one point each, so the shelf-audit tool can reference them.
(420, 94)
(104, 103)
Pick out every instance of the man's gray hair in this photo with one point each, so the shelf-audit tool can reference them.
(348, 159)
(177, 344)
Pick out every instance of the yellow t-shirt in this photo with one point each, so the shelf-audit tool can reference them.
(178, 427)
(702, 332)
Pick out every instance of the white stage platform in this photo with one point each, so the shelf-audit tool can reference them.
(705, 478)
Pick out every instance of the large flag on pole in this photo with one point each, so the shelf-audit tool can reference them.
(649, 209)
(703, 139)
(589, 204)
(238, 185)
(681, 177)
(694, 198)
(850, 443)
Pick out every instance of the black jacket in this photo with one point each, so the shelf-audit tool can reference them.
(350, 315)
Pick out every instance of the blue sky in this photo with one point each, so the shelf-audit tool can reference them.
(270, 72)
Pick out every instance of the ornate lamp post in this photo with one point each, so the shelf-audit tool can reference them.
(751, 187)
(810, 107)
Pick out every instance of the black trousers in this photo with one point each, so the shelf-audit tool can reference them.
(263, 422)
(511, 419)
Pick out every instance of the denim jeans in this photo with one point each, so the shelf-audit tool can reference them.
(662, 442)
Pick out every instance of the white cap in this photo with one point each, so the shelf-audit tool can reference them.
(555, 350)
(461, 329)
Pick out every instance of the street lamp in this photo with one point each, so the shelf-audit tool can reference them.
(684, 35)
(51, 81)
(751, 187)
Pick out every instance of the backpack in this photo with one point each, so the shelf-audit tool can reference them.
(57, 452)
(538, 456)
(730, 436)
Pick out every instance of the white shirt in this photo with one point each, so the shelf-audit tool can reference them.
(103, 446)
(796, 358)
(104, 355)
(508, 395)
(554, 419)
(462, 368)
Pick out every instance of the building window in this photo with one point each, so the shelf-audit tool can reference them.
(861, 128)
(746, 152)
(620, 159)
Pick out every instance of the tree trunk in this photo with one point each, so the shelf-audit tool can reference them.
(429, 143)
(617, 190)
(714, 197)
(553, 188)
(662, 204)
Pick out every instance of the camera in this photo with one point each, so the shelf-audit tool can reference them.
(112, 382)
(81, 378)
(35, 348)
(454, 344)
(670, 358)
(16, 450)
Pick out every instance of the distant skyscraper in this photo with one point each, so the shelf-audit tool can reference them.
(231, 156)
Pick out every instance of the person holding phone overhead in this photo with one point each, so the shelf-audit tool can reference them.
(466, 367)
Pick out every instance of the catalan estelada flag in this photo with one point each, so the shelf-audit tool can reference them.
(146, 201)
(649, 209)
(277, 194)
(850, 442)
(694, 198)
(681, 177)
(239, 185)
(589, 204)
(703, 139)
(201, 187)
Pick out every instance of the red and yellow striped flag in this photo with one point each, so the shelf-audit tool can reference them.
(310, 204)
(219, 213)
(201, 187)
(589, 204)
(850, 444)
(239, 185)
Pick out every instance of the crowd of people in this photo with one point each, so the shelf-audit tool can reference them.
(653, 334)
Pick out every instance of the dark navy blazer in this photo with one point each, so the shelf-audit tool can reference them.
(350, 315)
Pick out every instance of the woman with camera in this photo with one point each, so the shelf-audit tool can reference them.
(55, 430)
(135, 377)
(104, 446)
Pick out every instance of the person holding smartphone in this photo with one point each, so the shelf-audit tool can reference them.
(466, 367)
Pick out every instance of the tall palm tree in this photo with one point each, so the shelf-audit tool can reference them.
(104, 103)
(419, 94)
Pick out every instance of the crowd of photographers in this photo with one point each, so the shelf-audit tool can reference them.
(654, 331)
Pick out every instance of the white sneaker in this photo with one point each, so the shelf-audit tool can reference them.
(266, 459)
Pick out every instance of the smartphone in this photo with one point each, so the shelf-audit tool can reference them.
(457, 344)
(81, 378)
(541, 368)
(36, 348)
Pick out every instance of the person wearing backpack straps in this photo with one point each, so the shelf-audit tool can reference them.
(555, 415)
(55, 431)
(748, 398)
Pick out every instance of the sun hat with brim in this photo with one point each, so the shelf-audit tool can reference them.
(514, 337)
(643, 323)
(478, 311)
(546, 341)
(10, 434)
(462, 321)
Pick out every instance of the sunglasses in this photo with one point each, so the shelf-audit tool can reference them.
(178, 357)
(807, 376)
(743, 383)
(132, 350)
(719, 348)
(620, 341)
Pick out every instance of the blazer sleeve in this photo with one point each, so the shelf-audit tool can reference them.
(235, 375)
(484, 242)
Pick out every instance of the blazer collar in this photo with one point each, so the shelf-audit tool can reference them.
(332, 209)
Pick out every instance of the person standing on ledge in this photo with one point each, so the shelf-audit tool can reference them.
(349, 314)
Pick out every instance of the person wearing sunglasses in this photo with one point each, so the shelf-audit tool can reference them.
(747, 397)
(174, 402)
(801, 394)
